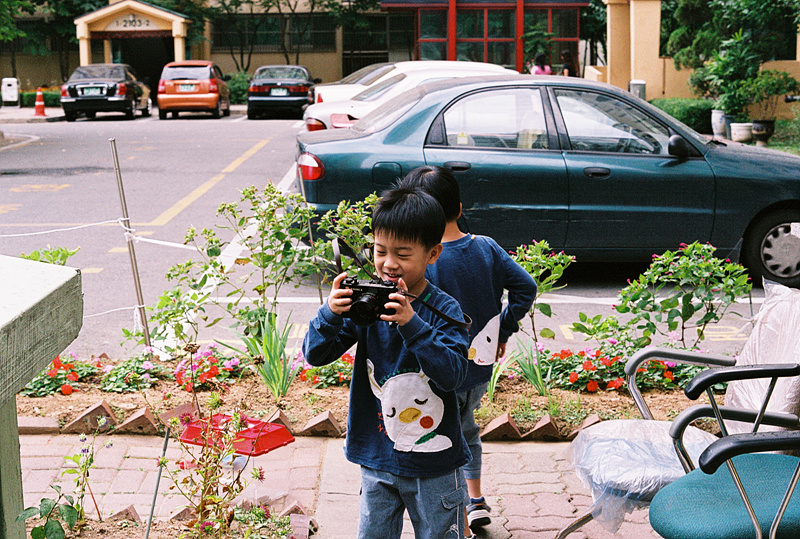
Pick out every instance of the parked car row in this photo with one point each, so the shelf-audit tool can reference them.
(185, 86)
(592, 169)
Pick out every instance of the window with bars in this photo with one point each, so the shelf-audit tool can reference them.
(313, 32)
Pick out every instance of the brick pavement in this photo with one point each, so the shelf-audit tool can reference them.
(529, 485)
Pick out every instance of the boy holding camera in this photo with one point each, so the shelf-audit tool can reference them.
(403, 424)
(476, 271)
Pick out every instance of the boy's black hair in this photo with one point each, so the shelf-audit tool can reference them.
(438, 182)
(410, 214)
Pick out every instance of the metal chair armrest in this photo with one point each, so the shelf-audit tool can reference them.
(726, 448)
(706, 379)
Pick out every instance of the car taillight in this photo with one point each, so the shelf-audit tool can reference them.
(309, 167)
(162, 86)
(212, 86)
(64, 90)
(312, 124)
(259, 89)
(319, 97)
(297, 89)
(121, 88)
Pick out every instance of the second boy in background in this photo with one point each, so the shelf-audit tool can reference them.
(476, 271)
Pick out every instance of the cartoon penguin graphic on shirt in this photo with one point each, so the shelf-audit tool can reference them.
(411, 411)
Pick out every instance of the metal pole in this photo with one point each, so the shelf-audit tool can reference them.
(127, 223)
(158, 480)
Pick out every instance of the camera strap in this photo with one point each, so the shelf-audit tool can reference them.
(339, 247)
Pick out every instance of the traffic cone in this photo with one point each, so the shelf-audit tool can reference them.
(38, 109)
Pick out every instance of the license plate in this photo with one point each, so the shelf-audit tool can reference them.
(278, 92)
(92, 91)
(186, 88)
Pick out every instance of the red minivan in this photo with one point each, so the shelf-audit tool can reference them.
(193, 85)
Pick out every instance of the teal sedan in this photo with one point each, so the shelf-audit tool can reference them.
(592, 169)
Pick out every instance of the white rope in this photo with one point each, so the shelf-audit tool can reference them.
(135, 307)
(61, 229)
(138, 239)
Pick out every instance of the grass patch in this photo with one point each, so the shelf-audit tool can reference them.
(787, 134)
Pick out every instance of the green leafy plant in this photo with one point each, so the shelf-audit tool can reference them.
(271, 227)
(696, 113)
(238, 85)
(53, 513)
(206, 367)
(58, 377)
(261, 523)
(267, 351)
(729, 71)
(138, 372)
(546, 268)
(56, 255)
(676, 298)
(338, 373)
(498, 370)
(766, 89)
(84, 461)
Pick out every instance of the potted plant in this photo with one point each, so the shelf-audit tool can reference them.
(765, 90)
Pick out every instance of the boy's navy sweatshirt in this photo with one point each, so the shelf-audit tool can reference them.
(476, 271)
(403, 416)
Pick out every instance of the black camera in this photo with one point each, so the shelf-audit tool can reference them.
(368, 300)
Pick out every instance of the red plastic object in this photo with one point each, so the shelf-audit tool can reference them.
(258, 438)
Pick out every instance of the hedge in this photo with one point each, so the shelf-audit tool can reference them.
(696, 113)
(52, 98)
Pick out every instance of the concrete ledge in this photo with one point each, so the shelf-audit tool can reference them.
(37, 425)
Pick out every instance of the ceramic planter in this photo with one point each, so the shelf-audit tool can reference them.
(718, 123)
(741, 132)
(763, 130)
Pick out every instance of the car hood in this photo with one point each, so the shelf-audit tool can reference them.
(736, 159)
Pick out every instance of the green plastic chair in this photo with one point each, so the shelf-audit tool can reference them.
(738, 491)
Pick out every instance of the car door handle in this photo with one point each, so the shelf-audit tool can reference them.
(457, 166)
(597, 173)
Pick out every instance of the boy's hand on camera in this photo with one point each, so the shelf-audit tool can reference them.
(403, 312)
(339, 298)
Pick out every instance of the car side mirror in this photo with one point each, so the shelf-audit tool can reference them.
(317, 80)
(678, 147)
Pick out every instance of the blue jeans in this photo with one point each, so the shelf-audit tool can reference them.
(435, 505)
(468, 402)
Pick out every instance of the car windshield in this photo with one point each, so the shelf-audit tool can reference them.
(280, 72)
(374, 91)
(186, 72)
(386, 114)
(98, 72)
(358, 77)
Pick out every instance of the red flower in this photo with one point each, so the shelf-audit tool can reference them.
(592, 386)
(563, 354)
(315, 380)
(615, 384)
(73, 376)
(52, 373)
(57, 362)
(573, 377)
(347, 358)
(607, 362)
(66, 389)
(582, 353)
(588, 366)
(303, 375)
(668, 375)
(341, 377)
(189, 387)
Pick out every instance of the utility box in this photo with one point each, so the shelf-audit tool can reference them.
(10, 91)
(638, 88)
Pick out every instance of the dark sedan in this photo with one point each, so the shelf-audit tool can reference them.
(97, 88)
(586, 166)
(284, 88)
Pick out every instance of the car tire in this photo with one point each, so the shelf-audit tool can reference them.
(162, 114)
(70, 116)
(771, 250)
(227, 111)
(251, 114)
(217, 112)
(148, 109)
(130, 112)
(175, 114)
(91, 115)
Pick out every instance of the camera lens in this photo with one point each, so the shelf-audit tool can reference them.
(364, 310)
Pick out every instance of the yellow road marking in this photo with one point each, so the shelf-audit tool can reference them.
(183, 203)
(566, 331)
(45, 187)
(5, 208)
(91, 270)
(118, 250)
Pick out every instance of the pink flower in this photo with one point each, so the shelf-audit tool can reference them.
(147, 365)
(674, 335)
(108, 368)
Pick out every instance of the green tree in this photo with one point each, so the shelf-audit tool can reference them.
(9, 11)
(593, 30)
(196, 10)
(241, 22)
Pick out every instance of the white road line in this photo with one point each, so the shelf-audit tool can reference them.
(240, 118)
(288, 180)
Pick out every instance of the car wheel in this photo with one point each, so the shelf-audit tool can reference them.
(162, 114)
(251, 114)
(130, 113)
(772, 247)
(148, 109)
(227, 111)
(91, 115)
(217, 112)
(70, 116)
